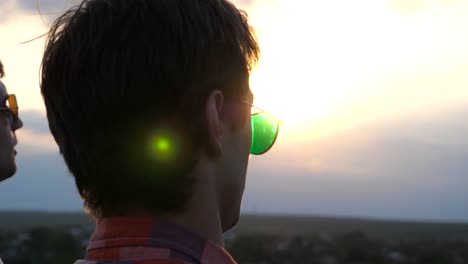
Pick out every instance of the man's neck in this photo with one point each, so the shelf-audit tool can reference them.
(202, 214)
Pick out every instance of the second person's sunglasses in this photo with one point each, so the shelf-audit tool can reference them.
(11, 107)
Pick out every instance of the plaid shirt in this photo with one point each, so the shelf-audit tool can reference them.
(125, 240)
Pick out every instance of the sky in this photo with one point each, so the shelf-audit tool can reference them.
(372, 94)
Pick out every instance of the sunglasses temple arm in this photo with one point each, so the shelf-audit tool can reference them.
(263, 111)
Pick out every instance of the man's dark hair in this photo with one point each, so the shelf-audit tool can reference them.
(2, 72)
(118, 73)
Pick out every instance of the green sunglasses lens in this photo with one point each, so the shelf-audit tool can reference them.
(264, 133)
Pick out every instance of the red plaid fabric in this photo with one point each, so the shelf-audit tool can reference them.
(124, 240)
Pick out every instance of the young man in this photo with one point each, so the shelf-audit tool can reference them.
(149, 102)
(9, 123)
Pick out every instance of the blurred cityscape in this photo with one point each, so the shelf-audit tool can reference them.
(65, 245)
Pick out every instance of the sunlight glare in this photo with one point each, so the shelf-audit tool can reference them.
(329, 65)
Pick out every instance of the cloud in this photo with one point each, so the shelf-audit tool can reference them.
(7, 8)
(43, 5)
(412, 167)
(35, 136)
(424, 146)
(42, 183)
(35, 121)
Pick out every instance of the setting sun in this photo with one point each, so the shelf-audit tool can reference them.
(329, 65)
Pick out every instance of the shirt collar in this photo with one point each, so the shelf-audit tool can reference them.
(141, 231)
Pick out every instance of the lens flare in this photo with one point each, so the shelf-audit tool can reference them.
(163, 146)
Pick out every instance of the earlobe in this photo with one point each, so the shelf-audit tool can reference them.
(213, 116)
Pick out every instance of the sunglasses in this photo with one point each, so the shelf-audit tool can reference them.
(11, 107)
(265, 128)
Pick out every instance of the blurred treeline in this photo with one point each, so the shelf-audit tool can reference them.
(65, 245)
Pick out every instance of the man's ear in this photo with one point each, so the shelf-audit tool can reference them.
(213, 119)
